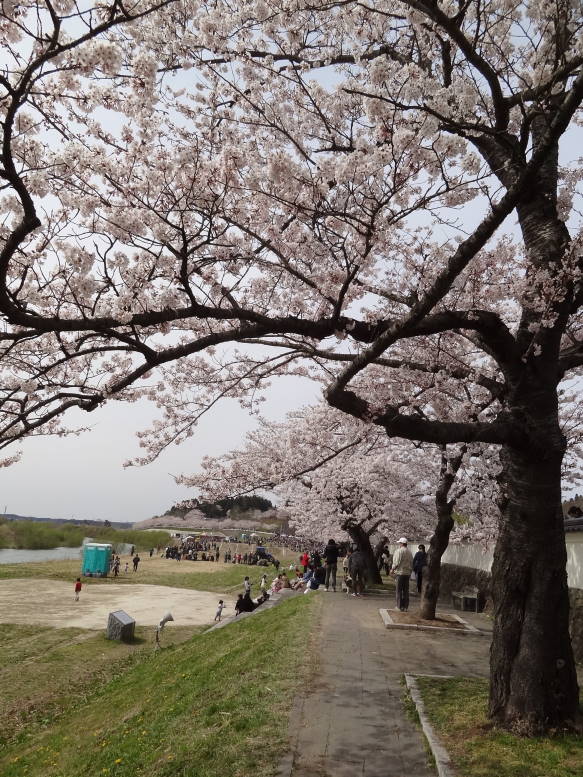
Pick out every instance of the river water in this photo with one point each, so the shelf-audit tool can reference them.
(16, 556)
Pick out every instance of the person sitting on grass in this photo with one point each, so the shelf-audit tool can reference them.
(276, 585)
(311, 580)
(297, 584)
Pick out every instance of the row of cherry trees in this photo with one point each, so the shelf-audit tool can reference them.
(199, 197)
(340, 478)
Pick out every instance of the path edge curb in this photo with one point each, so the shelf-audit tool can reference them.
(389, 623)
(440, 754)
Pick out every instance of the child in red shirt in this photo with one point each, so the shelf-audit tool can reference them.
(78, 585)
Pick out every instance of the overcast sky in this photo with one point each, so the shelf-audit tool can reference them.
(83, 477)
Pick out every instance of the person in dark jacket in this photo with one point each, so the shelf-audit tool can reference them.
(331, 559)
(357, 571)
(419, 561)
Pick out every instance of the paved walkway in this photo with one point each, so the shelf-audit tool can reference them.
(351, 722)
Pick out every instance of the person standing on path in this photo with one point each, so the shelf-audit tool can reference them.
(357, 571)
(419, 561)
(331, 559)
(136, 561)
(247, 585)
(402, 568)
(78, 586)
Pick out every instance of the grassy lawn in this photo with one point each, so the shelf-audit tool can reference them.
(199, 575)
(457, 709)
(43, 669)
(212, 706)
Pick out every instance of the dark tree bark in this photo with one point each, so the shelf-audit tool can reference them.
(533, 685)
(362, 541)
(432, 573)
(440, 539)
(533, 681)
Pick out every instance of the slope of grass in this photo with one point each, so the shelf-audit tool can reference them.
(457, 709)
(213, 706)
(44, 671)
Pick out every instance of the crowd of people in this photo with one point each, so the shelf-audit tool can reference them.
(317, 568)
(191, 549)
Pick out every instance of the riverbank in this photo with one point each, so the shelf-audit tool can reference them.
(32, 535)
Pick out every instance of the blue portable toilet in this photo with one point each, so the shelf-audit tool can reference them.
(96, 559)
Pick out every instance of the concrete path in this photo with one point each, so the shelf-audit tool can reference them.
(351, 721)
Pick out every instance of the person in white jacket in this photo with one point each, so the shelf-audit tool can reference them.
(402, 568)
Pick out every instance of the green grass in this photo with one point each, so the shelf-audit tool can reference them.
(37, 535)
(213, 706)
(457, 709)
(44, 670)
(199, 575)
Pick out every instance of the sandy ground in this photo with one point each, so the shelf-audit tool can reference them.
(51, 603)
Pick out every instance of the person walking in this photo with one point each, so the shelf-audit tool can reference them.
(357, 571)
(402, 568)
(419, 561)
(331, 559)
(136, 561)
(219, 610)
(78, 586)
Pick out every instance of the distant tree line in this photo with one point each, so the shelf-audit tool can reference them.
(37, 535)
(220, 508)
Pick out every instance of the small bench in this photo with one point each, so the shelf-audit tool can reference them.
(467, 599)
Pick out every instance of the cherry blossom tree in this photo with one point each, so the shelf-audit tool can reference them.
(337, 476)
(188, 184)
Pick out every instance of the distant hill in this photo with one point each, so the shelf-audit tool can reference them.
(263, 520)
(76, 521)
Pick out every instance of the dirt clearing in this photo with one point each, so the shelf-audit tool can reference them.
(51, 603)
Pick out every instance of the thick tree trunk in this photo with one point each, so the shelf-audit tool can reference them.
(437, 547)
(440, 539)
(533, 683)
(362, 542)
